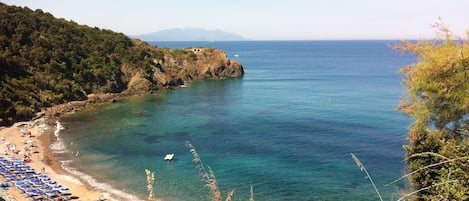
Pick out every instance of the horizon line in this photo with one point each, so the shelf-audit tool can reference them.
(273, 40)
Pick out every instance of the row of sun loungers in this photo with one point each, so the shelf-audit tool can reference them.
(32, 184)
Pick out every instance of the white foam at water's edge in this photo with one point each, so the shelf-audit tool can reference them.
(98, 185)
(59, 147)
(58, 127)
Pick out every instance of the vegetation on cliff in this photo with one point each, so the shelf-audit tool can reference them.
(46, 61)
(438, 100)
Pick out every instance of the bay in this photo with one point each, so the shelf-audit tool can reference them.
(287, 127)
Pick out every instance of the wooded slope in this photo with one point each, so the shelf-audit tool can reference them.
(46, 61)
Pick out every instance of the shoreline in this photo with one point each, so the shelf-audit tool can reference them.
(80, 183)
(43, 160)
(47, 161)
(55, 148)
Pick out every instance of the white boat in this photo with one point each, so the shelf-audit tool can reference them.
(169, 157)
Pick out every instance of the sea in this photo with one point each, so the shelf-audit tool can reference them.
(286, 129)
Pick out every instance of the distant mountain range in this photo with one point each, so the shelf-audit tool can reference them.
(189, 34)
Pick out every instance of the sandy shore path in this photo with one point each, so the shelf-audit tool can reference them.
(42, 160)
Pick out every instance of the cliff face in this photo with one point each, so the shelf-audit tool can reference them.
(46, 61)
(173, 68)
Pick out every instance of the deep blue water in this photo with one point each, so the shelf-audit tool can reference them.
(287, 127)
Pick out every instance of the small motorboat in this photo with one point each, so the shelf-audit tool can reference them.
(169, 157)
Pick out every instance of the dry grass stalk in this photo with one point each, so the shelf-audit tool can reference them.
(429, 166)
(363, 169)
(426, 154)
(150, 183)
(230, 195)
(207, 176)
(426, 188)
(252, 194)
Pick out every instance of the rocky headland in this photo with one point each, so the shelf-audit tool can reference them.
(60, 65)
(170, 72)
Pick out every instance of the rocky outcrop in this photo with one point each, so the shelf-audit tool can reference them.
(52, 113)
(173, 68)
(45, 61)
(168, 69)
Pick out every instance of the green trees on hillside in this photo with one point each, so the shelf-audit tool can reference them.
(46, 61)
(438, 100)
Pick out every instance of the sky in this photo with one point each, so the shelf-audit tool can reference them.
(268, 19)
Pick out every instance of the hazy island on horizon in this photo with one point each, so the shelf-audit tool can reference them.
(189, 34)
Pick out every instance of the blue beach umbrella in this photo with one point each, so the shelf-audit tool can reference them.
(64, 189)
(46, 179)
(38, 184)
(52, 193)
(19, 183)
(57, 187)
(32, 192)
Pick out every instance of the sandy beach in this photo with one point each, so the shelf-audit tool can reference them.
(37, 136)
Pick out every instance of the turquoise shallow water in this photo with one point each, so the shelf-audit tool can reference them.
(287, 127)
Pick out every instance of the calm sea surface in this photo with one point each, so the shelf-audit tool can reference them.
(287, 127)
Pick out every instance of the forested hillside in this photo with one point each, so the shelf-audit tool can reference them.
(46, 61)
